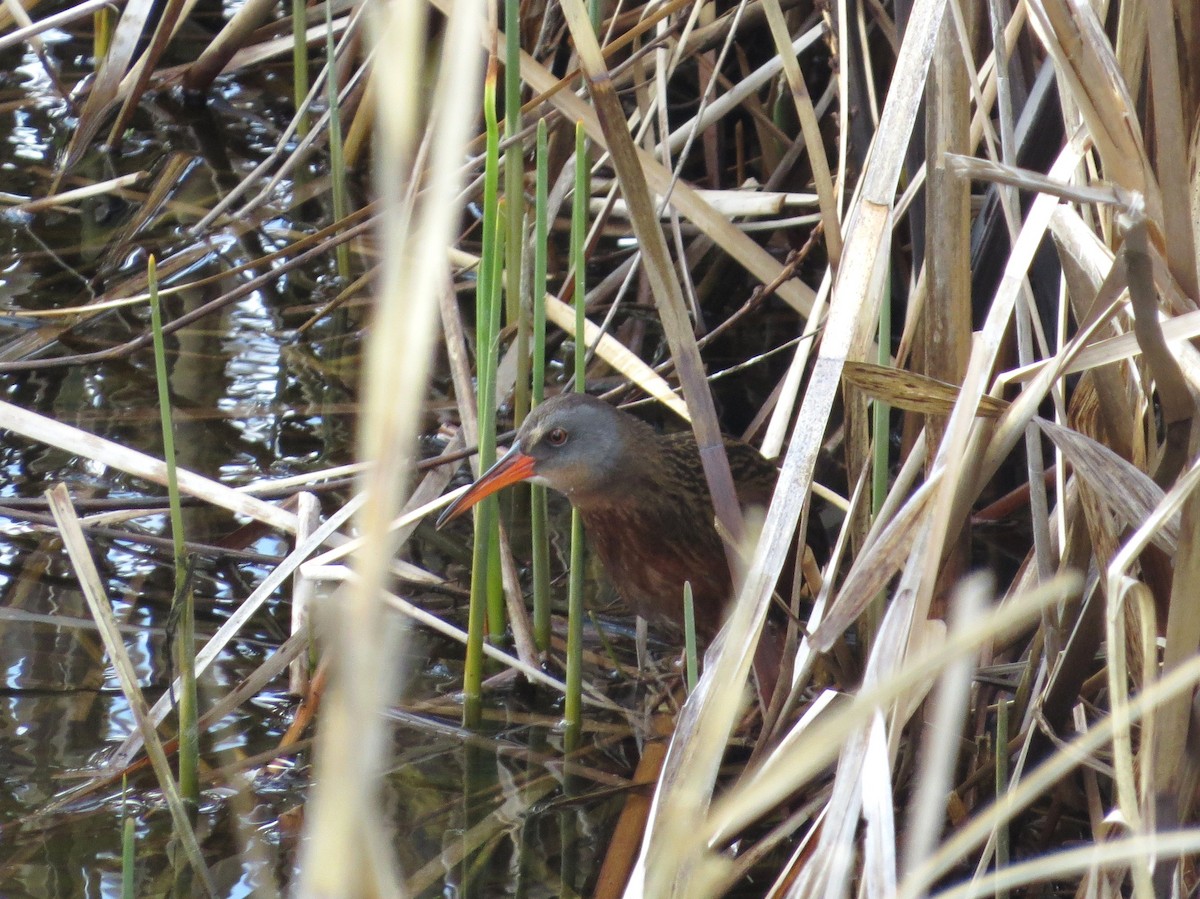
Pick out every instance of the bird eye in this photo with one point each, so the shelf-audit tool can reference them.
(556, 436)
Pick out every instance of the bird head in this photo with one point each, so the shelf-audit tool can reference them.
(573, 443)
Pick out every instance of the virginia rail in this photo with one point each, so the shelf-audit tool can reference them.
(645, 507)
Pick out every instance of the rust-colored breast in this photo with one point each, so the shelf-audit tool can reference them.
(656, 533)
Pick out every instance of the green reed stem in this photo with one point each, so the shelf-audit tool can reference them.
(538, 279)
(341, 203)
(537, 494)
(574, 700)
(578, 240)
(497, 613)
(573, 710)
(486, 312)
(184, 603)
(514, 194)
(300, 82)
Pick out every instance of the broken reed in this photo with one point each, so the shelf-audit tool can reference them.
(486, 613)
(183, 604)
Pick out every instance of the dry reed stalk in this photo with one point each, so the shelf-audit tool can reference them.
(344, 853)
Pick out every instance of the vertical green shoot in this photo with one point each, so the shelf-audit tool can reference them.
(497, 614)
(514, 195)
(300, 83)
(486, 350)
(183, 605)
(537, 494)
(574, 703)
(689, 638)
(578, 241)
(336, 165)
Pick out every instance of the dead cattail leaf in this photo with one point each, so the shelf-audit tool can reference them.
(1131, 493)
(912, 392)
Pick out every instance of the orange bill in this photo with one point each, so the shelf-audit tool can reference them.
(512, 467)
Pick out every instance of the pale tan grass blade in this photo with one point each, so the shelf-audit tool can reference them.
(111, 70)
(1032, 787)
(1171, 137)
(787, 770)
(880, 840)
(941, 741)
(811, 129)
(1169, 768)
(1132, 23)
(828, 869)
(341, 851)
(829, 873)
(781, 416)
(1113, 855)
(93, 590)
(59, 19)
(106, 452)
(618, 356)
(1074, 37)
(732, 203)
(70, 197)
(1130, 492)
(1121, 587)
(304, 590)
(1023, 179)
(911, 391)
(607, 347)
(249, 607)
(877, 563)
